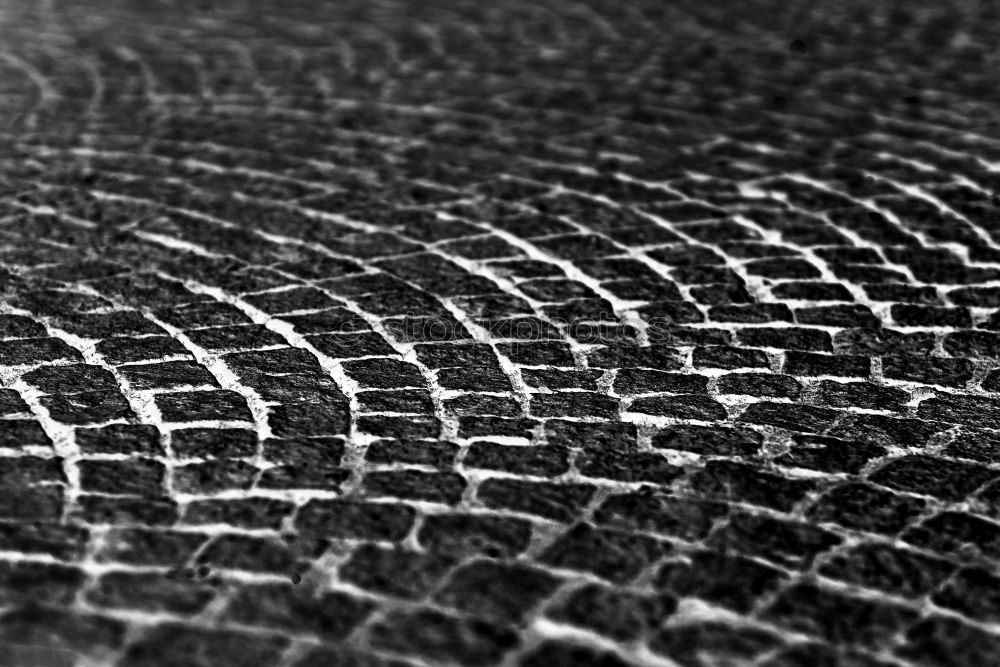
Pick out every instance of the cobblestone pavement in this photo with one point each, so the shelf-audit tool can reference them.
(518, 333)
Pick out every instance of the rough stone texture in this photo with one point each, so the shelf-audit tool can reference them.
(503, 333)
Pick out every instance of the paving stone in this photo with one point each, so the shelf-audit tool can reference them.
(612, 555)
(731, 581)
(466, 534)
(555, 653)
(23, 351)
(732, 480)
(332, 615)
(393, 571)
(946, 641)
(202, 647)
(58, 632)
(882, 567)
(838, 618)
(355, 520)
(787, 543)
(167, 375)
(621, 615)
(203, 405)
(433, 635)
(685, 644)
(557, 502)
(72, 379)
(865, 507)
(489, 589)
(716, 440)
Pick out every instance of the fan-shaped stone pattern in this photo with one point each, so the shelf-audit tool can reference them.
(571, 333)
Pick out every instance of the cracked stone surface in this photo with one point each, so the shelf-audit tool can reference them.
(516, 334)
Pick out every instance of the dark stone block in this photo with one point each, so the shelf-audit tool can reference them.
(20, 326)
(740, 482)
(148, 511)
(538, 461)
(461, 535)
(655, 511)
(956, 409)
(886, 568)
(214, 476)
(927, 475)
(537, 353)
(883, 341)
(248, 513)
(411, 427)
(931, 316)
(62, 542)
(273, 362)
(40, 503)
(412, 401)
(141, 477)
(788, 543)
(331, 615)
(439, 487)
(681, 406)
(944, 641)
(793, 417)
(929, 370)
(36, 351)
(203, 405)
(643, 381)
(150, 592)
(126, 350)
(213, 443)
(948, 532)
(633, 356)
(39, 583)
(864, 507)
(393, 571)
(71, 379)
(309, 419)
(384, 373)
(787, 338)
(149, 546)
(685, 644)
(472, 427)
(709, 440)
(838, 618)
(348, 345)
(422, 452)
(202, 647)
(441, 638)
(728, 580)
(551, 653)
(808, 363)
(168, 375)
(557, 502)
(621, 615)
(247, 552)
(592, 436)
(628, 466)
(861, 395)
(759, 384)
(811, 291)
(574, 404)
(609, 554)
(492, 590)
(243, 337)
(355, 520)
(203, 314)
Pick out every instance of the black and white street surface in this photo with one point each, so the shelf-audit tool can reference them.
(523, 333)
